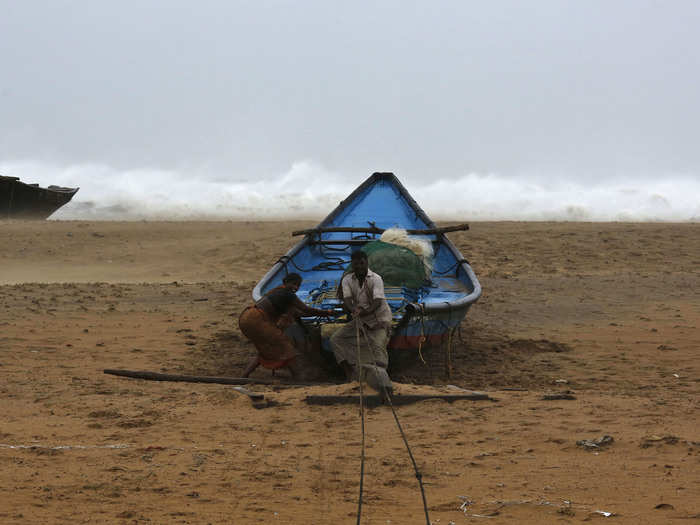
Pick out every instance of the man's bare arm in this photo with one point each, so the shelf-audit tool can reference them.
(347, 303)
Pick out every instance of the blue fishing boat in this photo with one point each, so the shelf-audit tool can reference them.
(426, 312)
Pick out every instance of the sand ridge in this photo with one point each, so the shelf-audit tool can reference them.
(604, 313)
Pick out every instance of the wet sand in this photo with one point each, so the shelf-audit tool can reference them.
(606, 314)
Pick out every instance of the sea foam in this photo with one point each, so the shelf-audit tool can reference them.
(308, 191)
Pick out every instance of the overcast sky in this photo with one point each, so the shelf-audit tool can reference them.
(243, 90)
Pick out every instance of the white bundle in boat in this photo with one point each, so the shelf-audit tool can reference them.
(423, 248)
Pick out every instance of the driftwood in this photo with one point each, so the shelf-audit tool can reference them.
(351, 229)
(396, 400)
(257, 399)
(154, 376)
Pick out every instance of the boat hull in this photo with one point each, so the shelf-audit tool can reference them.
(29, 201)
(422, 317)
(430, 330)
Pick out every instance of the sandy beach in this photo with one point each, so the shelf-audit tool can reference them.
(606, 315)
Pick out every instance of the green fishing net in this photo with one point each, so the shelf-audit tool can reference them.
(397, 265)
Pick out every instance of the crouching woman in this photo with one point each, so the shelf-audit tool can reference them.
(263, 324)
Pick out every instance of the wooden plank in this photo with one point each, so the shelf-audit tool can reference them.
(338, 229)
(396, 400)
(352, 229)
(349, 242)
(154, 376)
(257, 399)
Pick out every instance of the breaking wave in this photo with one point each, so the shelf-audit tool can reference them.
(309, 191)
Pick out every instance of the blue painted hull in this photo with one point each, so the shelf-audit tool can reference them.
(425, 315)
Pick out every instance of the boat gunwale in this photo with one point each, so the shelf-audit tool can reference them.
(35, 186)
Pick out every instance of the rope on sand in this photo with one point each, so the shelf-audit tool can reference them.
(362, 419)
(387, 397)
(418, 474)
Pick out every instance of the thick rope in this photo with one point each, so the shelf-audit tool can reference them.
(419, 476)
(449, 352)
(331, 264)
(455, 265)
(387, 397)
(422, 338)
(362, 418)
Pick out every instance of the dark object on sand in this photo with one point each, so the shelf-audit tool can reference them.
(256, 398)
(396, 400)
(595, 444)
(155, 376)
(28, 201)
(556, 397)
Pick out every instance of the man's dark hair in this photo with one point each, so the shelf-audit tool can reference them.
(358, 255)
(292, 278)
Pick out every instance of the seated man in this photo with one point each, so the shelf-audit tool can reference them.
(363, 295)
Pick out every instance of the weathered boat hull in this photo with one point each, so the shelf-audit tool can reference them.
(425, 316)
(19, 200)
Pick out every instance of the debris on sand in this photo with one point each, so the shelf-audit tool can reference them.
(664, 506)
(605, 513)
(650, 441)
(465, 503)
(595, 444)
(560, 396)
(495, 508)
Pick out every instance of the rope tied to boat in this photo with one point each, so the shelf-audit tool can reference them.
(283, 261)
(457, 264)
(335, 263)
(422, 337)
(449, 352)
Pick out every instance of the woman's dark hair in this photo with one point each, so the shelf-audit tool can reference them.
(358, 255)
(292, 278)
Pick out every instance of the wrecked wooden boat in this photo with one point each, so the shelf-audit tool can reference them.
(19, 200)
(426, 311)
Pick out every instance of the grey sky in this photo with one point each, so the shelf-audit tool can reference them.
(244, 89)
